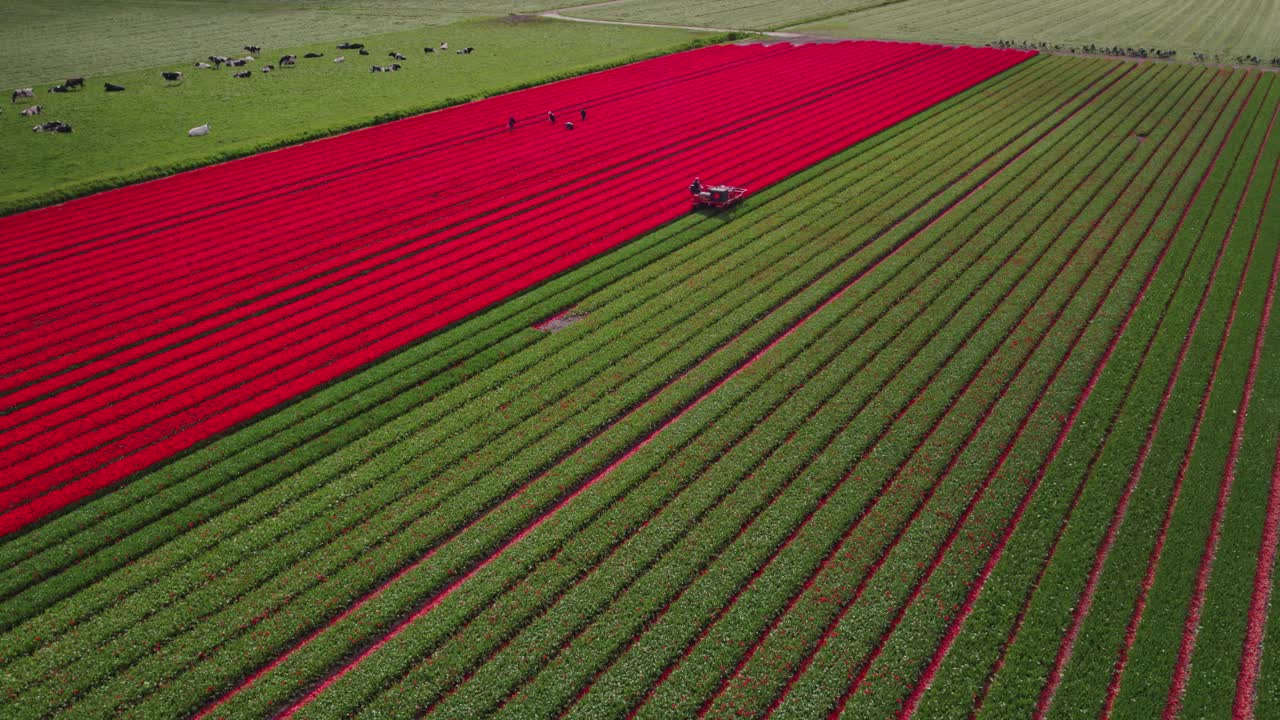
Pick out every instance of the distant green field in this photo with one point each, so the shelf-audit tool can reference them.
(48, 40)
(1226, 27)
(141, 132)
(735, 14)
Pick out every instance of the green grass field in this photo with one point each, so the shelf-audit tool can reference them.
(730, 14)
(50, 40)
(1215, 27)
(142, 132)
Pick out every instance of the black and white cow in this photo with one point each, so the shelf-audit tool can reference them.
(171, 76)
(53, 126)
(27, 93)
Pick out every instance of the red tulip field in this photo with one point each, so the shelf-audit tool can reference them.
(971, 408)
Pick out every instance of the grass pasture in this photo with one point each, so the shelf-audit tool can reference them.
(729, 14)
(50, 40)
(141, 132)
(1222, 28)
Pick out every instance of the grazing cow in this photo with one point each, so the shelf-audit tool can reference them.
(466, 51)
(393, 67)
(112, 87)
(395, 55)
(444, 46)
(252, 49)
(350, 46)
(313, 55)
(268, 68)
(236, 63)
(200, 131)
(243, 74)
(288, 60)
(376, 68)
(33, 111)
(59, 89)
(218, 60)
(170, 76)
(249, 58)
(75, 82)
(22, 93)
(363, 51)
(52, 126)
(340, 58)
(428, 50)
(203, 66)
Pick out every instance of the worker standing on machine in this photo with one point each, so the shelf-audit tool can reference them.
(695, 187)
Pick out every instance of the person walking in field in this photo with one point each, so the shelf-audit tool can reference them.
(583, 113)
(551, 117)
(511, 123)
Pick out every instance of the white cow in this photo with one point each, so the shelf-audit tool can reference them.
(199, 131)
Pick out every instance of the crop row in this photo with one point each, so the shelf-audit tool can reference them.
(1080, 494)
(1039, 439)
(1148, 217)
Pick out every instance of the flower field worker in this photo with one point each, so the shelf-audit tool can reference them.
(511, 123)
(551, 117)
(583, 113)
(695, 187)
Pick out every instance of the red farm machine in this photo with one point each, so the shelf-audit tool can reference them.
(715, 196)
